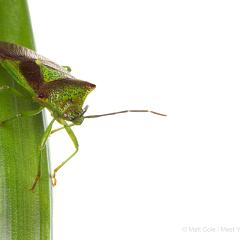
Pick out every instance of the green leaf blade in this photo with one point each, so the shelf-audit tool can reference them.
(23, 214)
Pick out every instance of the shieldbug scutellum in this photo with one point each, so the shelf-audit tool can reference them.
(52, 87)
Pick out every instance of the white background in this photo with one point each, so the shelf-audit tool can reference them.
(140, 176)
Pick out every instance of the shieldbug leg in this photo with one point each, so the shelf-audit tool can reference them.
(4, 87)
(61, 128)
(67, 68)
(13, 90)
(23, 114)
(75, 142)
(41, 148)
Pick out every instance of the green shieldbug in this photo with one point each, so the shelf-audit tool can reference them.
(52, 87)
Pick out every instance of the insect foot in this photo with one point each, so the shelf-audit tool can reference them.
(4, 87)
(54, 180)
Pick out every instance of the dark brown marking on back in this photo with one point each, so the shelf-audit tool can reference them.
(46, 88)
(16, 52)
(31, 71)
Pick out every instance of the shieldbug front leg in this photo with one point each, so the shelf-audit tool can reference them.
(4, 88)
(61, 128)
(75, 142)
(13, 90)
(23, 114)
(41, 147)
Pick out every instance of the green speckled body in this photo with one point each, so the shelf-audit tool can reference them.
(52, 87)
(65, 97)
(49, 84)
(50, 74)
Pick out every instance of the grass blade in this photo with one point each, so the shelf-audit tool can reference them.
(23, 214)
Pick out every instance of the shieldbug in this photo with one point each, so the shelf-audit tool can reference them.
(52, 87)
